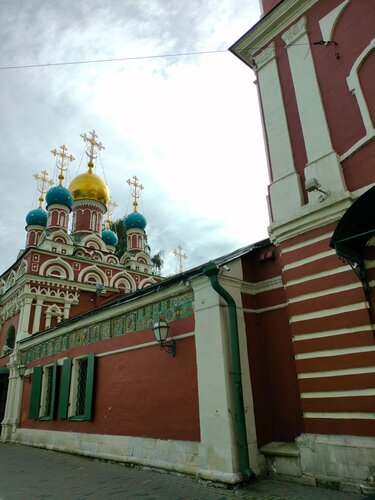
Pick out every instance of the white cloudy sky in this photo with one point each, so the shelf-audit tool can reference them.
(188, 127)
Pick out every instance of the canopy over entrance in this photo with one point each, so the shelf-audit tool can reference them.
(355, 228)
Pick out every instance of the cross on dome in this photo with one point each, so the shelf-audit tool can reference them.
(181, 256)
(92, 153)
(42, 184)
(135, 193)
(110, 209)
(61, 163)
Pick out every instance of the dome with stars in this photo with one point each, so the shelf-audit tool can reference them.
(59, 195)
(37, 217)
(135, 220)
(109, 237)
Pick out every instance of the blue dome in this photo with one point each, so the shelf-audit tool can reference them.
(37, 217)
(59, 195)
(109, 237)
(135, 220)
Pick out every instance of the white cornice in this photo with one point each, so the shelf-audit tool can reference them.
(311, 216)
(271, 25)
(262, 286)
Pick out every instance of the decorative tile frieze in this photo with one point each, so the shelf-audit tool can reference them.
(295, 31)
(180, 306)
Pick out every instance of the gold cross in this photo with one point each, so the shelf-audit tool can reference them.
(42, 184)
(91, 153)
(181, 256)
(135, 193)
(110, 209)
(60, 163)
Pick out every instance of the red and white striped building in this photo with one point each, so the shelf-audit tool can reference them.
(315, 70)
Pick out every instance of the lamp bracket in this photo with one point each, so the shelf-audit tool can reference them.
(169, 347)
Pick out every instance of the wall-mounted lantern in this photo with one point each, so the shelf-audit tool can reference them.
(161, 329)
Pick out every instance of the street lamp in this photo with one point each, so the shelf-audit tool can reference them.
(161, 329)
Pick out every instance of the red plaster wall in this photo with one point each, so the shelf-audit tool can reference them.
(143, 392)
(277, 408)
(269, 4)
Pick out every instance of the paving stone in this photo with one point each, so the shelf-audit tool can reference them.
(36, 474)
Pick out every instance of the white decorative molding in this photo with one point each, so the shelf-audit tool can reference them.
(295, 32)
(328, 23)
(277, 20)
(262, 286)
(93, 271)
(265, 56)
(57, 264)
(355, 88)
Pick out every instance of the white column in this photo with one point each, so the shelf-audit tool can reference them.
(285, 182)
(23, 326)
(37, 314)
(323, 162)
(13, 402)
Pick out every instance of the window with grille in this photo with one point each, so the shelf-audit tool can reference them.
(42, 401)
(81, 387)
(76, 391)
(46, 397)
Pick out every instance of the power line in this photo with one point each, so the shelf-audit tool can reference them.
(94, 61)
(155, 56)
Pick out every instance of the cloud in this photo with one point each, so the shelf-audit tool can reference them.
(188, 127)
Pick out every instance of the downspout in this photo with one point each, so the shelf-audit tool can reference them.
(211, 271)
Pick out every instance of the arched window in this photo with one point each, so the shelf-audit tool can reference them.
(10, 338)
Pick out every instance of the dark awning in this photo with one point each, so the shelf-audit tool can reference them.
(355, 227)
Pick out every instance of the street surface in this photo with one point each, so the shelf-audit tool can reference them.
(35, 474)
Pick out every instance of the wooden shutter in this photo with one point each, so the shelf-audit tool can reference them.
(62, 411)
(35, 392)
(89, 386)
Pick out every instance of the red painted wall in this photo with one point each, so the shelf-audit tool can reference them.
(269, 4)
(277, 408)
(273, 375)
(143, 392)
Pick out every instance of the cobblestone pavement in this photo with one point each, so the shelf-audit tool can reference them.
(35, 474)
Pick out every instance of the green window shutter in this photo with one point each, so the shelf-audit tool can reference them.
(35, 393)
(53, 392)
(62, 411)
(89, 386)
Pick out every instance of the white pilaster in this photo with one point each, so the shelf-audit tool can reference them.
(23, 327)
(323, 162)
(13, 402)
(37, 314)
(216, 450)
(285, 180)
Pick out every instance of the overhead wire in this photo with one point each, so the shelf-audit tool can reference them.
(152, 56)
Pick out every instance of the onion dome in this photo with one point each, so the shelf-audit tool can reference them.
(37, 217)
(59, 195)
(109, 237)
(89, 186)
(134, 220)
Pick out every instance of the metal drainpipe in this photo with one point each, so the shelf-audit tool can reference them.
(211, 271)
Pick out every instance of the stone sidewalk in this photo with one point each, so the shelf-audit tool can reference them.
(35, 474)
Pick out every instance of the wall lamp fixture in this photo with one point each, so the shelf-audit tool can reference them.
(21, 368)
(161, 329)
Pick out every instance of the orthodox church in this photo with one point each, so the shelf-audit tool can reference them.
(257, 362)
(69, 273)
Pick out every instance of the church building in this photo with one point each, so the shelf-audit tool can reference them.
(258, 362)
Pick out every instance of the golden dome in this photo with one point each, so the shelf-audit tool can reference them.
(89, 186)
